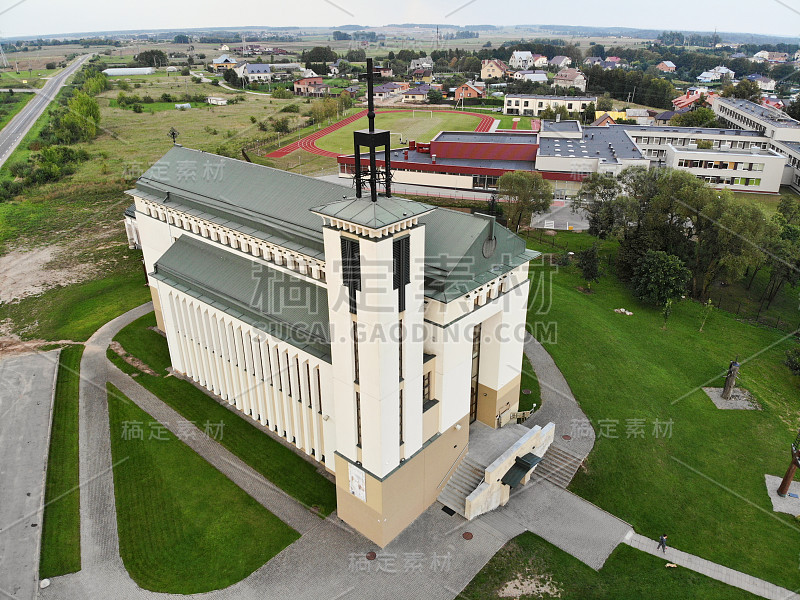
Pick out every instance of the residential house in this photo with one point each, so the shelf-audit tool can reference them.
(777, 57)
(253, 72)
(570, 78)
(692, 97)
(387, 89)
(591, 61)
(796, 56)
(560, 62)
(603, 121)
(617, 115)
(423, 76)
(765, 84)
(665, 117)
(311, 86)
(309, 73)
(521, 59)
(535, 76)
(334, 67)
(224, 48)
(773, 101)
(385, 72)
(666, 66)
(609, 65)
(614, 59)
(222, 63)
(715, 74)
(417, 94)
(641, 116)
(739, 55)
(420, 63)
(216, 101)
(469, 90)
(493, 69)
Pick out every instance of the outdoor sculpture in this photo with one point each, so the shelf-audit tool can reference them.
(730, 380)
(783, 489)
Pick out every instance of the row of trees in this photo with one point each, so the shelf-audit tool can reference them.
(715, 236)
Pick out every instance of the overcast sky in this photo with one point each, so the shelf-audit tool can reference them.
(41, 17)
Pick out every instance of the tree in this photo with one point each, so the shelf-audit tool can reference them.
(605, 103)
(597, 197)
(589, 264)
(282, 93)
(181, 38)
(434, 96)
(152, 58)
(356, 56)
(526, 193)
(659, 277)
(588, 113)
(699, 117)
(231, 77)
(745, 89)
(345, 101)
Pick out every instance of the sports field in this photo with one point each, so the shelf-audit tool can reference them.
(421, 128)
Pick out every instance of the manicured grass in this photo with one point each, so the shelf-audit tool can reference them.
(184, 527)
(294, 475)
(421, 128)
(566, 241)
(75, 312)
(157, 106)
(530, 382)
(700, 477)
(628, 574)
(61, 533)
(8, 111)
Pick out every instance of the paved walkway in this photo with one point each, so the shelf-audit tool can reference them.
(27, 383)
(558, 404)
(737, 579)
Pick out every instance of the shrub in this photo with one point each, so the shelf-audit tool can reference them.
(137, 108)
(291, 108)
(793, 360)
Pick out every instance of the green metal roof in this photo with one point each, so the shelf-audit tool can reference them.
(363, 211)
(276, 206)
(286, 307)
(522, 464)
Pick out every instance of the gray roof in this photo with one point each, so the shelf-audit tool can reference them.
(688, 130)
(474, 137)
(561, 126)
(131, 211)
(286, 307)
(398, 158)
(257, 68)
(609, 143)
(381, 213)
(775, 117)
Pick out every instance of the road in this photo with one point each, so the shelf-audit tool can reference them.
(26, 397)
(11, 135)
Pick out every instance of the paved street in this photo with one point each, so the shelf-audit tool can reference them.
(26, 399)
(11, 135)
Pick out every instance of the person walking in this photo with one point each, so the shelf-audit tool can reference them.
(662, 543)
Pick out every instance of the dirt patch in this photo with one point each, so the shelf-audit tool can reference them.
(11, 344)
(117, 348)
(530, 585)
(26, 272)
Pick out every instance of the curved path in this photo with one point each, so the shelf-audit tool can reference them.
(430, 559)
(308, 143)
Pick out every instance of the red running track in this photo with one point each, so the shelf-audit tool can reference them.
(308, 143)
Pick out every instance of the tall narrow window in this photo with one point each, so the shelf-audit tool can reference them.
(279, 369)
(358, 418)
(401, 417)
(400, 348)
(288, 375)
(299, 380)
(355, 350)
(351, 269)
(319, 389)
(402, 269)
(426, 387)
(308, 385)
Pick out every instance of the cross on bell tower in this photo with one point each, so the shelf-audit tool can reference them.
(371, 139)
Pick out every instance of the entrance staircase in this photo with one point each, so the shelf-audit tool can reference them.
(558, 466)
(461, 484)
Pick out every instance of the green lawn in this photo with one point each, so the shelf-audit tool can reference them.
(25, 78)
(421, 128)
(700, 476)
(628, 574)
(9, 110)
(157, 106)
(61, 533)
(531, 383)
(294, 475)
(184, 527)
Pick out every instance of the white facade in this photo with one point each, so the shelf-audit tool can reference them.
(739, 170)
(531, 105)
(121, 71)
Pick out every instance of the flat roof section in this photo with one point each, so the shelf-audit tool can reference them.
(565, 98)
(607, 143)
(772, 115)
(690, 130)
(475, 137)
(398, 159)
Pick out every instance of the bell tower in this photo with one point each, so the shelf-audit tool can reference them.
(374, 255)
